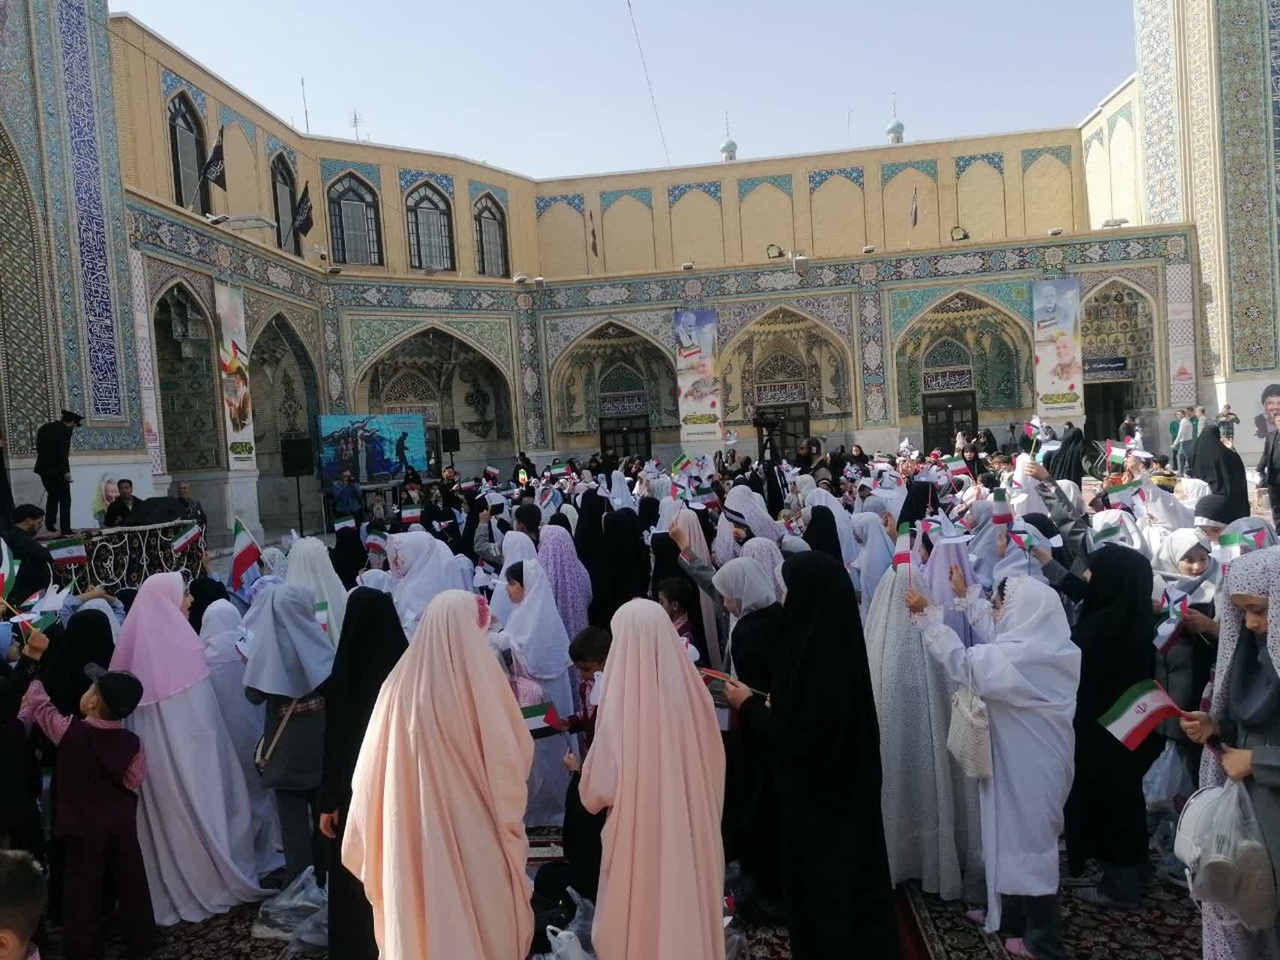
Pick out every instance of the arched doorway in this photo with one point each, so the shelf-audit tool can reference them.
(286, 406)
(615, 390)
(1118, 341)
(453, 386)
(963, 364)
(190, 415)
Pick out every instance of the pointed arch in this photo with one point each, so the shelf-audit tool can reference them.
(492, 249)
(284, 195)
(458, 333)
(429, 216)
(1119, 319)
(187, 386)
(187, 152)
(355, 230)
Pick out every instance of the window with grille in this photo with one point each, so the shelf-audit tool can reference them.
(286, 202)
(353, 222)
(430, 229)
(491, 238)
(186, 143)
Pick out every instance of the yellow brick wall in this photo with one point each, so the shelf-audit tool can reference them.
(839, 218)
(766, 217)
(1112, 168)
(627, 235)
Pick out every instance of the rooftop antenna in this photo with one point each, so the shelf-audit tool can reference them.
(726, 124)
(306, 114)
(354, 122)
(893, 105)
(848, 125)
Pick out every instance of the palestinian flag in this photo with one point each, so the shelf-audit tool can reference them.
(344, 522)
(1125, 493)
(1001, 512)
(708, 501)
(1138, 712)
(8, 569)
(322, 614)
(244, 554)
(541, 720)
(377, 542)
(1024, 539)
(411, 514)
(1169, 630)
(902, 551)
(1111, 534)
(681, 464)
(69, 551)
(559, 471)
(956, 465)
(186, 537)
(35, 621)
(1031, 430)
(1244, 542)
(1115, 452)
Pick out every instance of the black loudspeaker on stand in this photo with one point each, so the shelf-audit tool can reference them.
(298, 461)
(451, 443)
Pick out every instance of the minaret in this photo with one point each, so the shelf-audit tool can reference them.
(728, 149)
(896, 128)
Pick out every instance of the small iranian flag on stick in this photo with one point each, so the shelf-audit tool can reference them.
(343, 523)
(956, 465)
(1140, 709)
(681, 464)
(245, 553)
(410, 514)
(69, 551)
(902, 551)
(492, 473)
(541, 720)
(1001, 512)
(189, 535)
(322, 615)
(377, 542)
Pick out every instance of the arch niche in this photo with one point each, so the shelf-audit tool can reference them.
(964, 343)
(451, 385)
(286, 405)
(612, 371)
(187, 388)
(1119, 321)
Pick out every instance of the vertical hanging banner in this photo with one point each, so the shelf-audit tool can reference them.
(697, 332)
(1059, 371)
(233, 358)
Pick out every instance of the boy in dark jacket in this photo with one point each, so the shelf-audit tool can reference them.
(22, 902)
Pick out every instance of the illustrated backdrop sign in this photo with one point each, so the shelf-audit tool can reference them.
(233, 354)
(697, 332)
(372, 446)
(1059, 372)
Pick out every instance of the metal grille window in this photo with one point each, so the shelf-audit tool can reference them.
(491, 238)
(353, 222)
(286, 202)
(430, 229)
(186, 142)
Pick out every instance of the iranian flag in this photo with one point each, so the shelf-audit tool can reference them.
(1001, 512)
(377, 542)
(956, 465)
(8, 569)
(1174, 607)
(681, 464)
(467, 486)
(186, 537)
(492, 472)
(69, 551)
(1125, 493)
(708, 500)
(245, 552)
(322, 614)
(1140, 709)
(410, 514)
(343, 523)
(541, 720)
(902, 551)
(1115, 451)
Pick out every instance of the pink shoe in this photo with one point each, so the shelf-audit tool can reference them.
(1016, 948)
(978, 916)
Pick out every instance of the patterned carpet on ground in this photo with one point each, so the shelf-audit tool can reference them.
(1166, 928)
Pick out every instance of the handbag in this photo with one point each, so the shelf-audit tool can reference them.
(260, 757)
(969, 736)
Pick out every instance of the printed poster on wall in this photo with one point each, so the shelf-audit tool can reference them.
(1059, 372)
(233, 357)
(696, 380)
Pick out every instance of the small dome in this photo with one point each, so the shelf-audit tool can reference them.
(895, 126)
(729, 146)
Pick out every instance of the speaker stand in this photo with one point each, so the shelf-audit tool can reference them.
(297, 485)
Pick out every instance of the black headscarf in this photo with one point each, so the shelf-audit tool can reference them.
(921, 497)
(348, 556)
(649, 507)
(562, 521)
(86, 639)
(475, 506)
(1214, 507)
(204, 591)
(625, 575)
(371, 644)
(666, 560)
(822, 534)
(1044, 524)
(986, 442)
(1067, 462)
(774, 498)
(1221, 467)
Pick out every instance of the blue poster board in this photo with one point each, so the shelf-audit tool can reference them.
(372, 447)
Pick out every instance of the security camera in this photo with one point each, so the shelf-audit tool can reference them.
(539, 282)
(334, 271)
(217, 219)
(800, 263)
(687, 265)
(868, 249)
(519, 278)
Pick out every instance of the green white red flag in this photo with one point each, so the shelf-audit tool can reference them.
(410, 514)
(492, 472)
(186, 537)
(1109, 534)
(956, 465)
(245, 552)
(902, 550)
(1001, 512)
(541, 720)
(322, 614)
(377, 542)
(1232, 544)
(1139, 711)
(343, 523)
(8, 569)
(68, 551)
(681, 464)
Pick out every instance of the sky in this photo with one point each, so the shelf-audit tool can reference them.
(556, 88)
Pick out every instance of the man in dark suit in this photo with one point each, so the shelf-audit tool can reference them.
(1269, 470)
(34, 557)
(53, 467)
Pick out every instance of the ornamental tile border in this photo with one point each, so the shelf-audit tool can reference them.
(1161, 136)
(411, 178)
(475, 189)
(229, 118)
(890, 170)
(559, 333)
(1092, 140)
(609, 197)
(1124, 112)
(331, 169)
(575, 200)
(1031, 155)
(18, 109)
(747, 185)
(1205, 153)
(368, 336)
(993, 160)
(276, 145)
(818, 177)
(905, 305)
(677, 190)
(171, 83)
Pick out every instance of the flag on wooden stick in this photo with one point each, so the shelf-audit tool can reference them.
(245, 553)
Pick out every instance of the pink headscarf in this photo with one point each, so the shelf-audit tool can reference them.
(570, 584)
(436, 826)
(657, 763)
(688, 521)
(157, 643)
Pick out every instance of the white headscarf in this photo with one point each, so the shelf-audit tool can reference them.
(742, 501)
(874, 559)
(1177, 545)
(221, 628)
(667, 511)
(746, 582)
(310, 566)
(620, 493)
(766, 553)
(1130, 535)
(275, 562)
(1192, 490)
(516, 547)
(376, 579)
(423, 568)
(1017, 564)
(289, 654)
(535, 631)
(569, 511)
(1074, 496)
(844, 527)
(1027, 499)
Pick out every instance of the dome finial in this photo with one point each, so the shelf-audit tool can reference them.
(728, 149)
(896, 128)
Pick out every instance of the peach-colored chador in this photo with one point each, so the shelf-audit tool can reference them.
(436, 828)
(657, 763)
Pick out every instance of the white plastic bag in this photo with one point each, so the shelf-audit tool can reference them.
(289, 909)
(1168, 784)
(312, 935)
(1229, 864)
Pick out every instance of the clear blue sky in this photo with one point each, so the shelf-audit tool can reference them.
(555, 88)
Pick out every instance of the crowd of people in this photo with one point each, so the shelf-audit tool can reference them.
(714, 677)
